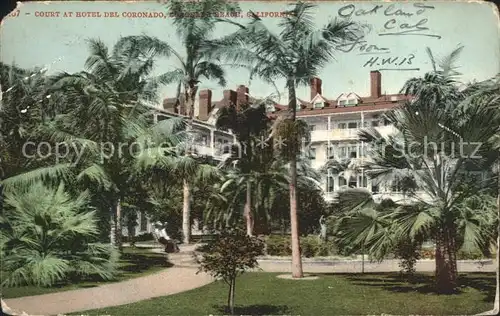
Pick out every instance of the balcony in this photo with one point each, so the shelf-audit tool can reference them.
(335, 134)
(346, 134)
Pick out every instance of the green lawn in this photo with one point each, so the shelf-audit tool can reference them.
(134, 262)
(264, 294)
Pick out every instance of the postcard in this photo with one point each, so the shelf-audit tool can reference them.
(347, 149)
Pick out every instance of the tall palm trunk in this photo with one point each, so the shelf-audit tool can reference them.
(115, 234)
(446, 261)
(294, 223)
(186, 213)
(248, 209)
(189, 96)
(119, 224)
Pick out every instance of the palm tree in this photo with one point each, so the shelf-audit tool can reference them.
(46, 237)
(249, 124)
(489, 92)
(195, 23)
(110, 113)
(296, 55)
(454, 121)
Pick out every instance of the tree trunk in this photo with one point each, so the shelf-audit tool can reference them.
(131, 234)
(119, 243)
(496, 305)
(189, 96)
(112, 223)
(446, 262)
(186, 213)
(230, 296)
(294, 223)
(248, 209)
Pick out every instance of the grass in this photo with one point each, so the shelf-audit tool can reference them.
(134, 262)
(354, 294)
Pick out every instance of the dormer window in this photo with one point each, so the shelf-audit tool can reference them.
(352, 102)
(318, 105)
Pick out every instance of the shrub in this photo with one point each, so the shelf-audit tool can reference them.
(141, 237)
(278, 245)
(46, 238)
(469, 255)
(230, 255)
(408, 252)
(310, 246)
(461, 255)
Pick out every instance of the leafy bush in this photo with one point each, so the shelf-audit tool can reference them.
(466, 255)
(408, 252)
(278, 245)
(141, 237)
(461, 255)
(310, 246)
(230, 255)
(46, 238)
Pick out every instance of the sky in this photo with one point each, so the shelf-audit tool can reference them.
(58, 43)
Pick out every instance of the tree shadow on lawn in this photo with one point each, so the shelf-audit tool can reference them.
(255, 309)
(423, 283)
(140, 262)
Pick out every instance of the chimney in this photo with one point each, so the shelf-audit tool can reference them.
(242, 96)
(230, 97)
(168, 105)
(205, 104)
(315, 87)
(375, 84)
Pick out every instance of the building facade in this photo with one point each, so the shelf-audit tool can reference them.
(335, 124)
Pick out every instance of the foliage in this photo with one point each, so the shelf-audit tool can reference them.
(408, 252)
(230, 255)
(311, 246)
(294, 56)
(47, 237)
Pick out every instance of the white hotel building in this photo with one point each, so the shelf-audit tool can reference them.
(335, 124)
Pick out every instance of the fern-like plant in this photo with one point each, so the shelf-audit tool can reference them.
(47, 236)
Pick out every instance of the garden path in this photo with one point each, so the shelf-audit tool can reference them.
(167, 282)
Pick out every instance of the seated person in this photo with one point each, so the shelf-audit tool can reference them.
(161, 235)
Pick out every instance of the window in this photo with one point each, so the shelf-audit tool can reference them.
(365, 124)
(312, 153)
(330, 184)
(343, 102)
(352, 125)
(374, 188)
(342, 126)
(318, 105)
(342, 152)
(396, 186)
(227, 147)
(353, 153)
(331, 152)
(363, 150)
(374, 123)
(353, 183)
(204, 140)
(342, 181)
(363, 182)
(351, 102)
